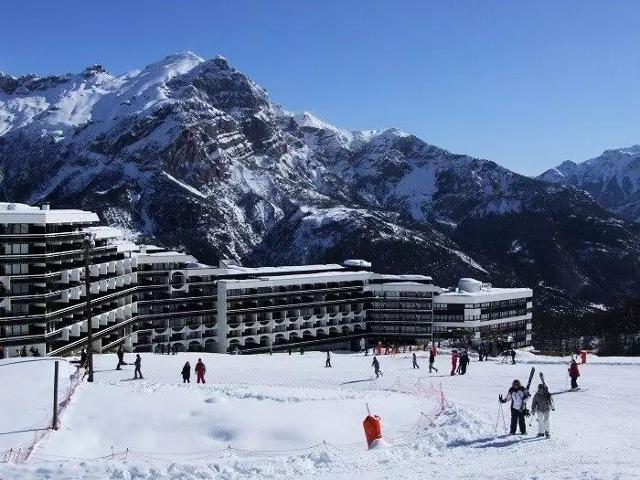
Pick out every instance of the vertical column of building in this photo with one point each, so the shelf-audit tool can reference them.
(221, 313)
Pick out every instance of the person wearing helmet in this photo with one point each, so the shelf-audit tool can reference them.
(517, 395)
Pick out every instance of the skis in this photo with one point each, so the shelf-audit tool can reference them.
(533, 370)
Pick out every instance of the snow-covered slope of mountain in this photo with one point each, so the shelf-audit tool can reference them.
(612, 179)
(193, 154)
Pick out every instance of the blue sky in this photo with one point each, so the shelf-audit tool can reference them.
(526, 84)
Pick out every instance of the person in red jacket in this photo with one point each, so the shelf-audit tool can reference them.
(454, 362)
(574, 373)
(200, 371)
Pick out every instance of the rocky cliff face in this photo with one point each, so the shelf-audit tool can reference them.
(612, 179)
(193, 154)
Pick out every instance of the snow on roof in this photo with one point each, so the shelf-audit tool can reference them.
(485, 294)
(313, 276)
(403, 278)
(357, 262)
(12, 213)
(101, 232)
(283, 269)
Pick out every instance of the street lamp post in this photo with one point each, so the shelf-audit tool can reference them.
(89, 243)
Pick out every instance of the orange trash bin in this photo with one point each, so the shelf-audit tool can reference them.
(583, 356)
(372, 429)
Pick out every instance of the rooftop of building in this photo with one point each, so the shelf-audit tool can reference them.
(15, 213)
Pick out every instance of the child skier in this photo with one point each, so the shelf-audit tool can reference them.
(186, 373)
(542, 405)
(432, 358)
(376, 367)
(464, 361)
(517, 394)
(200, 371)
(138, 367)
(574, 373)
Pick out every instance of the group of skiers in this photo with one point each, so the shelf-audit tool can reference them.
(542, 404)
(200, 370)
(168, 349)
(459, 362)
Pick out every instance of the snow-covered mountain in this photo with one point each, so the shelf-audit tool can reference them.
(612, 179)
(194, 154)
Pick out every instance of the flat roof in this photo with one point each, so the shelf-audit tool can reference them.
(403, 277)
(313, 276)
(259, 271)
(486, 294)
(275, 280)
(14, 213)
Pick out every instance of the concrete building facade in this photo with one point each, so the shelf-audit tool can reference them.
(146, 298)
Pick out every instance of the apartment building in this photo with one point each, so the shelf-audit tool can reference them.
(482, 312)
(43, 289)
(146, 298)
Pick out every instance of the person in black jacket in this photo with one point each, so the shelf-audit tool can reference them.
(186, 373)
(464, 361)
(327, 363)
(138, 365)
(518, 395)
(415, 361)
(120, 354)
(376, 367)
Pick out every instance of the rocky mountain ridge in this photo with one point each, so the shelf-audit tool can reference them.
(193, 154)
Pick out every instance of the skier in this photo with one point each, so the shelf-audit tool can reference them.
(23, 352)
(464, 361)
(186, 373)
(138, 365)
(327, 363)
(574, 373)
(301, 351)
(542, 404)
(481, 353)
(162, 349)
(432, 358)
(513, 357)
(376, 367)
(120, 354)
(454, 362)
(517, 394)
(200, 371)
(415, 361)
(83, 358)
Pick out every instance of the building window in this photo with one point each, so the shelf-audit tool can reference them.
(16, 330)
(16, 269)
(19, 228)
(19, 288)
(16, 248)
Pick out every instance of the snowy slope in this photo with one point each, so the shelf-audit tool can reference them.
(193, 154)
(267, 417)
(26, 397)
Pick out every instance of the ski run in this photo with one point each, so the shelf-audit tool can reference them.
(287, 416)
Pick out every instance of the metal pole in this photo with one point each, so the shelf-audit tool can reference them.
(88, 244)
(54, 424)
